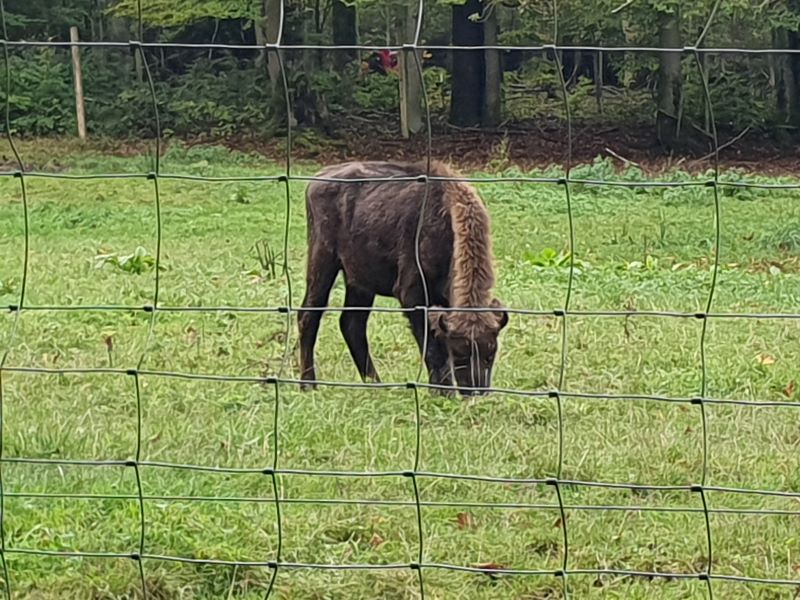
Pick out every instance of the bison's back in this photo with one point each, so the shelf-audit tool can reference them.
(372, 225)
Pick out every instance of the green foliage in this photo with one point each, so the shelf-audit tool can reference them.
(437, 87)
(44, 19)
(227, 93)
(378, 93)
(648, 266)
(549, 258)
(41, 99)
(213, 98)
(8, 286)
(173, 13)
(240, 196)
(137, 263)
(217, 98)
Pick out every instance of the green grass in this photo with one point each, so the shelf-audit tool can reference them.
(649, 249)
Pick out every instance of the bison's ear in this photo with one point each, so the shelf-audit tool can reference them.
(502, 313)
(438, 322)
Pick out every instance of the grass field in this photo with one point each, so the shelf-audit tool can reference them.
(648, 249)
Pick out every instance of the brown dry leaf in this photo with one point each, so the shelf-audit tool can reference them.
(376, 540)
(464, 520)
(192, 335)
(689, 429)
(558, 523)
(788, 391)
(765, 359)
(109, 342)
(489, 567)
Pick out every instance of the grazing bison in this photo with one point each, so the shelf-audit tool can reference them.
(368, 230)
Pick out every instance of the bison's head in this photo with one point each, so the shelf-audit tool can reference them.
(471, 342)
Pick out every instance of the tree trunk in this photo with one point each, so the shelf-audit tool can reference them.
(793, 96)
(466, 103)
(138, 64)
(410, 84)
(271, 28)
(669, 80)
(599, 69)
(267, 30)
(786, 75)
(345, 32)
(493, 75)
(706, 107)
(259, 27)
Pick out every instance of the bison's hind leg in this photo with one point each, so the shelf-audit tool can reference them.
(323, 267)
(353, 324)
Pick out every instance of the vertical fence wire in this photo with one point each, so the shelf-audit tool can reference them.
(272, 473)
(17, 310)
(276, 47)
(276, 562)
(562, 372)
(413, 49)
(152, 176)
(711, 291)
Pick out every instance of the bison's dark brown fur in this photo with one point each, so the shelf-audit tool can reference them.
(368, 230)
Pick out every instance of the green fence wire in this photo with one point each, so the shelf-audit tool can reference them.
(276, 562)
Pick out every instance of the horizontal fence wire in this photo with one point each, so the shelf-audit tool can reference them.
(555, 313)
(397, 47)
(415, 475)
(436, 178)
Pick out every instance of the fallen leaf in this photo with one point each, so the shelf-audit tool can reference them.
(558, 523)
(192, 335)
(376, 540)
(464, 520)
(109, 342)
(765, 359)
(788, 391)
(688, 430)
(489, 567)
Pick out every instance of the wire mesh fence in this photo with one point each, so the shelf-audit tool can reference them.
(411, 475)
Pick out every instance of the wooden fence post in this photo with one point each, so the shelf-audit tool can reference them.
(78, 77)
